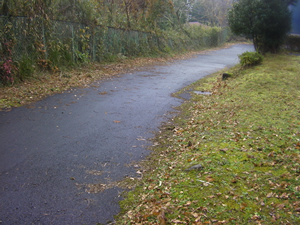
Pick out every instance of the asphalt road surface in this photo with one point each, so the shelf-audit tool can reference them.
(60, 157)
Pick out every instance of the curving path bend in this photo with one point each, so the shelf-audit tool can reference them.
(57, 156)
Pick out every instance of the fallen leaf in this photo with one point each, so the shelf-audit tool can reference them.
(270, 195)
(209, 179)
(188, 203)
(196, 215)
(117, 121)
(177, 221)
(161, 218)
(255, 217)
(139, 172)
(284, 196)
(224, 150)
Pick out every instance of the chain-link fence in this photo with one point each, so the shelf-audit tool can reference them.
(61, 42)
(24, 34)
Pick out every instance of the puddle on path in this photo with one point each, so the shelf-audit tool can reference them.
(202, 92)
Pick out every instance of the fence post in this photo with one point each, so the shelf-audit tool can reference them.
(44, 40)
(73, 53)
(93, 44)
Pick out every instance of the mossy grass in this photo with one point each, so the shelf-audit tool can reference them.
(246, 136)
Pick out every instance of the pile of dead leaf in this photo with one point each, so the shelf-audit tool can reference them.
(44, 84)
(245, 141)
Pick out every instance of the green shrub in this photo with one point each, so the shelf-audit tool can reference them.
(266, 22)
(214, 36)
(292, 43)
(26, 68)
(81, 58)
(60, 54)
(248, 59)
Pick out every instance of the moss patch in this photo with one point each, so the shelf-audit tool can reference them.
(246, 137)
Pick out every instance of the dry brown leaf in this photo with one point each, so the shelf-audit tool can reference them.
(224, 150)
(177, 221)
(195, 214)
(280, 206)
(161, 218)
(188, 203)
(209, 179)
(284, 196)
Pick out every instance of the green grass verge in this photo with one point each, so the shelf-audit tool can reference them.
(246, 136)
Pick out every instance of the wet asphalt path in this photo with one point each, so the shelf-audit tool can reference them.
(53, 153)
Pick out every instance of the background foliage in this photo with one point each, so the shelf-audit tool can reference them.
(52, 34)
(265, 22)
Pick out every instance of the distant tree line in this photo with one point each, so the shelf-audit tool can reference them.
(138, 14)
(211, 12)
(131, 14)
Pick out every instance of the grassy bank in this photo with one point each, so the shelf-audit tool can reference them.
(245, 142)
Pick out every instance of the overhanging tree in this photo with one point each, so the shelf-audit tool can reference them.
(265, 21)
(212, 12)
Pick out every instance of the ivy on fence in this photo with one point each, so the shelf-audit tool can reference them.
(29, 43)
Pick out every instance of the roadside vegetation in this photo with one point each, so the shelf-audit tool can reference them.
(45, 83)
(229, 157)
(52, 36)
(265, 22)
(50, 46)
(232, 157)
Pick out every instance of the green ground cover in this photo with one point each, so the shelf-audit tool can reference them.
(244, 139)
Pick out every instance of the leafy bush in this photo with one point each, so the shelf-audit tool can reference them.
(60, 54)
(7, 72)
(81, 58)
(214, 36)
(26, 68)
(292, 43)
(7, 66)
(266, 22)
(194, 38)
(248, 59)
